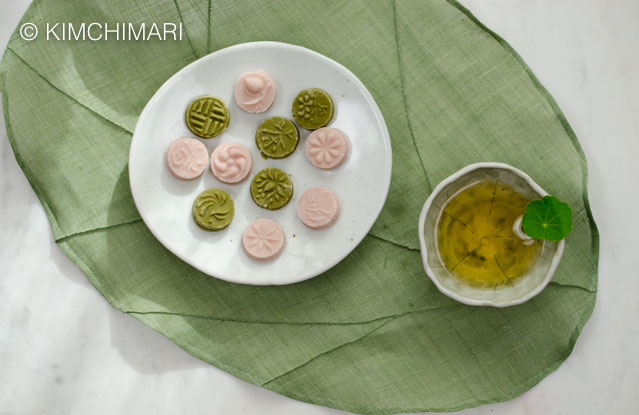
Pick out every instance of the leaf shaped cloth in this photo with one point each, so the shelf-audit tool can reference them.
(373, 334)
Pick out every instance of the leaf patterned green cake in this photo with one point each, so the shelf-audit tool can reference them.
(277, 137)
(271, 188)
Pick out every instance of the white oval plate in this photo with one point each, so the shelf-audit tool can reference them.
(361, 183)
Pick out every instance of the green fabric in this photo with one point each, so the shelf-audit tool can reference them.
(373, 334)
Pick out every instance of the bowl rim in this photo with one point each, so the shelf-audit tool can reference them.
(424, 252)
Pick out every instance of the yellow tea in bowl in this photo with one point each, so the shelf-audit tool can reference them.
(472, 244)
(475, 236)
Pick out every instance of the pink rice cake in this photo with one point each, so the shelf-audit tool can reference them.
(231, 162)
(326, 148)
(263, 239)
(186, 158)
(318, 207)
(255, 91)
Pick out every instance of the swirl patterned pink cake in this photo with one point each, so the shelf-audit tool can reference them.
(263, 239)
(255, 91)
(326, 148)
(231, 162)
(318, 207)
(186, 158)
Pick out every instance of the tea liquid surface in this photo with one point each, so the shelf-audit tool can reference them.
(475, 235)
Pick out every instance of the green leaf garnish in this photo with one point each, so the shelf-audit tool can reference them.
(547, 219)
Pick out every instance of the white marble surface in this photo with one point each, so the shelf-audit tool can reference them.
(63, 349)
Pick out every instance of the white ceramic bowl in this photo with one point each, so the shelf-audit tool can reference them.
(523, 288)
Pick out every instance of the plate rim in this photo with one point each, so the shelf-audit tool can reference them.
(360, 86)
